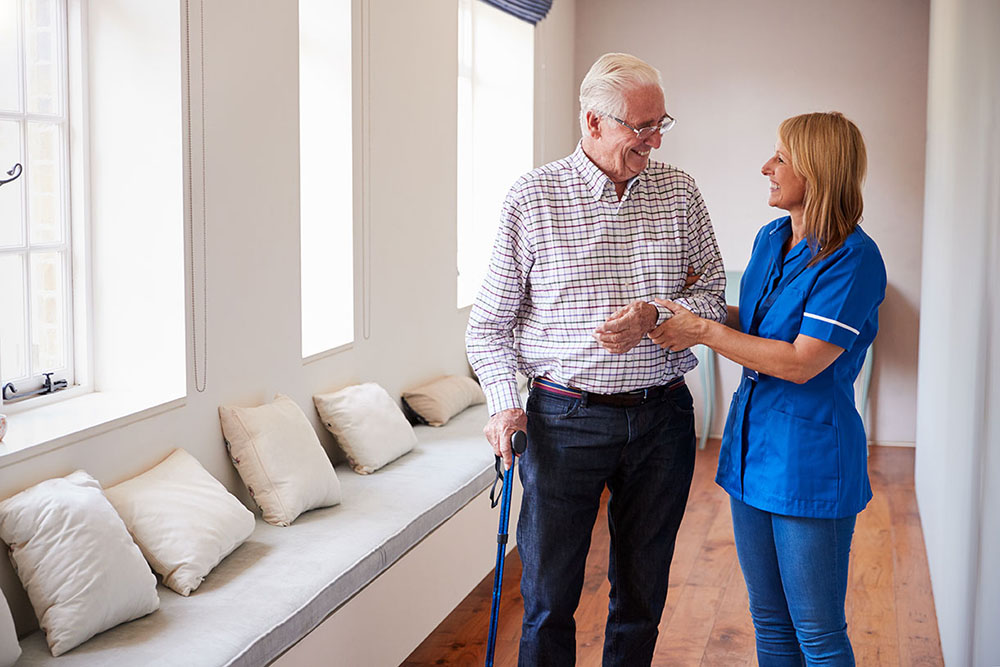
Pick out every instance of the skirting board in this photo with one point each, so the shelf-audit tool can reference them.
(389, 618)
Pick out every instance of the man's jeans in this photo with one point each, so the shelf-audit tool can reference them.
(645, 456)
(796, 574)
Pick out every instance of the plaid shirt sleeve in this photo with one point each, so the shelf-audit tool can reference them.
(706, 297)
(489, 338)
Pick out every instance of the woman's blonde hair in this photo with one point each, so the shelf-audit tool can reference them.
(828, 151)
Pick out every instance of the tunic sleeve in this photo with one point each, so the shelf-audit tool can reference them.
(846, 294)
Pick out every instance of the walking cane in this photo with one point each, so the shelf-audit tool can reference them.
(518, 442)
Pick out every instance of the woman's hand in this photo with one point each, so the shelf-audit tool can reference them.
(680, 331)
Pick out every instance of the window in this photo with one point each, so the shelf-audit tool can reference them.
(36, 294)
(495, 128)
(92, 282)
(326, 161)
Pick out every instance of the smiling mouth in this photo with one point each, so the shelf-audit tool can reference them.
(774, 186)
(640, 153)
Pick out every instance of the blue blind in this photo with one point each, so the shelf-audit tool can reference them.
(531, 11)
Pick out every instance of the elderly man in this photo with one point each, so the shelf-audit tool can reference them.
(585, 244)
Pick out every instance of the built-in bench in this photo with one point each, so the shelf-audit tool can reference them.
(283, 582)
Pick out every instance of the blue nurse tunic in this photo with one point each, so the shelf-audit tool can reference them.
(801, 449)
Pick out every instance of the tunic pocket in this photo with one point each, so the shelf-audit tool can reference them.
(802, 458)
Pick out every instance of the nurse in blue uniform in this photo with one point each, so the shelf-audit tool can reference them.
(793, 457)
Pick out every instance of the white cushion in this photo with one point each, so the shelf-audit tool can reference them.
(278, 455)
(182, 518)
(439, 400)
(368, 424)
(10, 650)
(81, 569)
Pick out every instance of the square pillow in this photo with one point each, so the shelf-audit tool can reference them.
(182, 518)
(278, 455)
(368, 425)
(439, 400)
(81, 569)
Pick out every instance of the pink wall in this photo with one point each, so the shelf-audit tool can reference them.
(733, 70)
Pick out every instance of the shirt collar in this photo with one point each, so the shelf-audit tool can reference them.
(779, 235)
(597, 181)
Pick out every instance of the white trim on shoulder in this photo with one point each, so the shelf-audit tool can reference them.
(828, 320)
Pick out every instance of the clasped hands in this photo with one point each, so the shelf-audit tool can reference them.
(626, 327)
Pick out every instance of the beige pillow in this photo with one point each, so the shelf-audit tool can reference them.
(81, 569)
(182, 518)
(278, 455)
(10, 650)
(368, 424)
(439, 400)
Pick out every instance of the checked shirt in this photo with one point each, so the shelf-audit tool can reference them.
(567, 255)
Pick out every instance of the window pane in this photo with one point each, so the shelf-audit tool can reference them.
(497, 92)
(13, 332)
(11, 226)
(41, 42)
(48, 343)
(9, 59)
(44, 174)
(326, 173)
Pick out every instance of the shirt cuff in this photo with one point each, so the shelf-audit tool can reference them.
(829, 330)
(662, 313)
(502, 395)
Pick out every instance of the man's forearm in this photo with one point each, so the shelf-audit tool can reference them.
(710, 304)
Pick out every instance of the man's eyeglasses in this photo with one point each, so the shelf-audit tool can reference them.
(646, 132)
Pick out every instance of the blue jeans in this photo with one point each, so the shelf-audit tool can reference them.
(645, 456)
(796, 574)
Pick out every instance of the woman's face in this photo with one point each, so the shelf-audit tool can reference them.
(788, 189)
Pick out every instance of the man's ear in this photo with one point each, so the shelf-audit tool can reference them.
(594, 124)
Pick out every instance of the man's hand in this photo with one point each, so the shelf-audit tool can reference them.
(499, 430)
(626, 327)
(680, 331)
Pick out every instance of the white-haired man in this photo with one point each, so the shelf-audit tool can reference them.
(584, 246)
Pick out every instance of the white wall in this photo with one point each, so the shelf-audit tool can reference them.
(253, 337)
(958, 424)
(732, 71)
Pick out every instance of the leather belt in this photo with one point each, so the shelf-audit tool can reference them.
(625, 399)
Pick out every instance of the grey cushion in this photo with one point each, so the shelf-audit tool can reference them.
(282, 582)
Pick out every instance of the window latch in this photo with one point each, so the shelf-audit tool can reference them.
(49, 387)
(13, 177)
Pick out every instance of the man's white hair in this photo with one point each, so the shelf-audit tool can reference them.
(603, 89)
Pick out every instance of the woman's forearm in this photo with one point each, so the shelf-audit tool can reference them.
(733, 317)
(797, 362)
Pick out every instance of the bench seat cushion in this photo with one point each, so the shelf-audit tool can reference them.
(282, 582)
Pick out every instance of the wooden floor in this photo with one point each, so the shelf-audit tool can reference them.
(890, 608)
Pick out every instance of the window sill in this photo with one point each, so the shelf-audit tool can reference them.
(333, 351)
(35, 431)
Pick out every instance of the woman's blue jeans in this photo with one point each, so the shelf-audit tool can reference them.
(645, 456)
(796, 574)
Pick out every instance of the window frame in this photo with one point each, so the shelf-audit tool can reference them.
(67, 119)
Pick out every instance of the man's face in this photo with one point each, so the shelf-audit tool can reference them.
(614, 148)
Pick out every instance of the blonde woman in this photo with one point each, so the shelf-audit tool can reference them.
(793, 456)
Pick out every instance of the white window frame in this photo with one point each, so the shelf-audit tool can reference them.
(72, 199)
